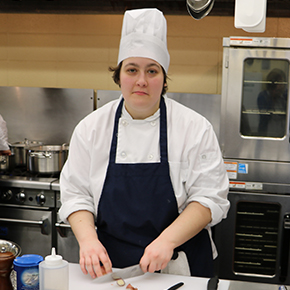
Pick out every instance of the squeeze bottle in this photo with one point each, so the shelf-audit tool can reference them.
(53, 273)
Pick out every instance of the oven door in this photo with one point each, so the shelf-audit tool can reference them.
(30, 228)
(255, 106)
(67, 245)
(253, 242)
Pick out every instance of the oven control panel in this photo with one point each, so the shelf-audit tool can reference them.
(28, 197)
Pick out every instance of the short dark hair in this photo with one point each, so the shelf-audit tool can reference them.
(275, 77)
(116, 77)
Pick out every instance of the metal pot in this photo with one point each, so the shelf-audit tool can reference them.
(8, 246)
(46, 159)
(7, 162)
(19, 150)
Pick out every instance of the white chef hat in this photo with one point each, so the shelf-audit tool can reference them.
(144, 35)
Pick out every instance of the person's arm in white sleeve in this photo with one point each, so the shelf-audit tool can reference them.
(78, 203)
(92, 252)
(207, 181)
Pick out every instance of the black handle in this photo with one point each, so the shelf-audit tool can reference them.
(212, 283)
(175, 255)
(176, 286)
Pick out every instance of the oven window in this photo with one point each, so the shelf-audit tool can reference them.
(256, 238)
(264, 98)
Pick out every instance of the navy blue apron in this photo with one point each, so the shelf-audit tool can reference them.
(138, 202)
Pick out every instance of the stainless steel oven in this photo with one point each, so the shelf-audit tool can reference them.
(66, 242)
(27, 213)
(67, 245)
(253, 242)
(255, 100)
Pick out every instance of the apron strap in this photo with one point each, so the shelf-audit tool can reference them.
(115, 132)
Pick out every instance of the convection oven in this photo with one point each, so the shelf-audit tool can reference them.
(253, 242)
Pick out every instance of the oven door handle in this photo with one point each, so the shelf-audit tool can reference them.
(44, 224)
(285, 248)
(61, 229)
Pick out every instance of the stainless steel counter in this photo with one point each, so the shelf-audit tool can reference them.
(27, 182)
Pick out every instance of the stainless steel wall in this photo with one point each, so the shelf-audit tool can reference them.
(48, 115)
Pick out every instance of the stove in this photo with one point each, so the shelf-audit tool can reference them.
(28, 206)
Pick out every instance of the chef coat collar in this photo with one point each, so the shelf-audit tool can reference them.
(127, 116)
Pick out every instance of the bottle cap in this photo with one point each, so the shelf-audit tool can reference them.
(53, 259)
(29, 260)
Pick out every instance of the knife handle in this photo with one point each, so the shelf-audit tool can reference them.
(175, 255)
(212, 284)
(176, 286)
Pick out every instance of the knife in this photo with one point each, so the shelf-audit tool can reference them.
(124, 273)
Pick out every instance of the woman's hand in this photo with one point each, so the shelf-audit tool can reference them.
(189, 223)
(156, 256)
(94, 258)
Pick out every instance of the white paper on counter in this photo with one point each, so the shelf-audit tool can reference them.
(79, 281)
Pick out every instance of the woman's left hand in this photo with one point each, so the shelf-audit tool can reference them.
(156, 256)
(189, 223)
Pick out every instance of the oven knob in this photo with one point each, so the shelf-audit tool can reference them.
(21, 196)
(40, 199)
(7, 195)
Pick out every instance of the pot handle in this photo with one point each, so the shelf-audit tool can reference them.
(64, 145)
(40, 154)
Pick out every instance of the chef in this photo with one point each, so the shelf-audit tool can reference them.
(4, 145)
(144, 170)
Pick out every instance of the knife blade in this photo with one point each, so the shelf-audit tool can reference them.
(124, 273)
(128, 272)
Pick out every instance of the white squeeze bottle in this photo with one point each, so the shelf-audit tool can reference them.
(53, 273)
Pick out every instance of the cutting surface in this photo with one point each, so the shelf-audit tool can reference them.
(148, 281)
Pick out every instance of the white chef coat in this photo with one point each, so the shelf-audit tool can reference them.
(196, 166)
(3, 135)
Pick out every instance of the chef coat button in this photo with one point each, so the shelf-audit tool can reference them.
(123, 154)
(203, 156)
(124, 123)
(153, 123)
(150, 156)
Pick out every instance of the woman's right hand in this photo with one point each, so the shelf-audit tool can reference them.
(94, 258)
